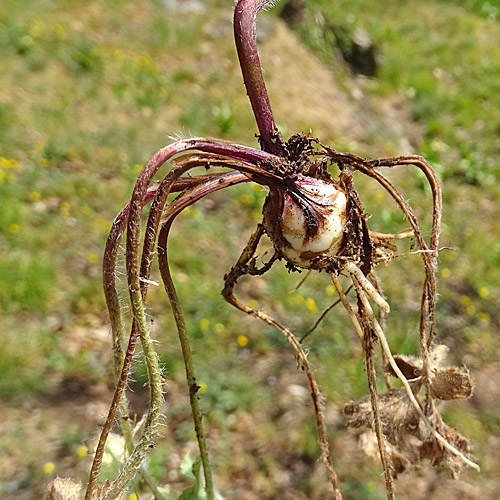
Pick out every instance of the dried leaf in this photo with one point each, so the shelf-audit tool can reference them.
(358, 414)
(451, 383)
(66, 489)
(409, 365)
(408, 440)
(438, 355)
(101, 490)
(368, 443)
(399, 462)
(397, 414)
(462, 444)
(431, 450)
(63, 489)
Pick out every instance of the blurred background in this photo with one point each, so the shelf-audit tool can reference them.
(90, 90)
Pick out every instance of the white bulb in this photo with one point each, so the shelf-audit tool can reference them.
(332, 204)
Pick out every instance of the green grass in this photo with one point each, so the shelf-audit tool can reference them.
(90, 91)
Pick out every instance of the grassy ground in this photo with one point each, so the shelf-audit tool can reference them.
(88, 92)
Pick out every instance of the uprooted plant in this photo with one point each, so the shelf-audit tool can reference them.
(315, 222)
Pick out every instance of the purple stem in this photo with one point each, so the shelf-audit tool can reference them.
(143, 195)
(159, 158)
(140, 193)
(131, 214)
(186, 198)
(215, 146)
(245, 38)
(201, 190)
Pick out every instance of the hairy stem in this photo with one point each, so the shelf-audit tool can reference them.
(188, 357)
(156, 396)
(122, 359)
(130, 445)
(132, 215)
(188, 197)
(245, 37)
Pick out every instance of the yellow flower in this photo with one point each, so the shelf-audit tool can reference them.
(64, 208)
(36, 28)
(219, 328)
(247, 198)
(60, 31)
(379, 197)
(92, 257)
(100, 223)
(330, 290)
(82, 452)
(298, 299)
(203, 387)
(191, 212)
(132, 496)
(204, 323)
(6, 163)
(485, 317)
(253, 304)
(242, 340)
(48, 467)
(311, 306)
(483, 292)
(464, 300)
(445, 272)
(35, 196)
(14, 228)
(471, 309)
(256, 214)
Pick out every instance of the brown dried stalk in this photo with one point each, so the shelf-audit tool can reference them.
(365, 336)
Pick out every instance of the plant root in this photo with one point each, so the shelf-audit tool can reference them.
(246, 265)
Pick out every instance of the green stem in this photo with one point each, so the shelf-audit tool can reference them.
(152, 362)
(188, 358)
(129, 443)
(155, 380)
(122, 358)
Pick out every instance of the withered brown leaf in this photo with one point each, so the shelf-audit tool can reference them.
(63, 489)
(451, 383)
(410, 366)
(66, 489)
